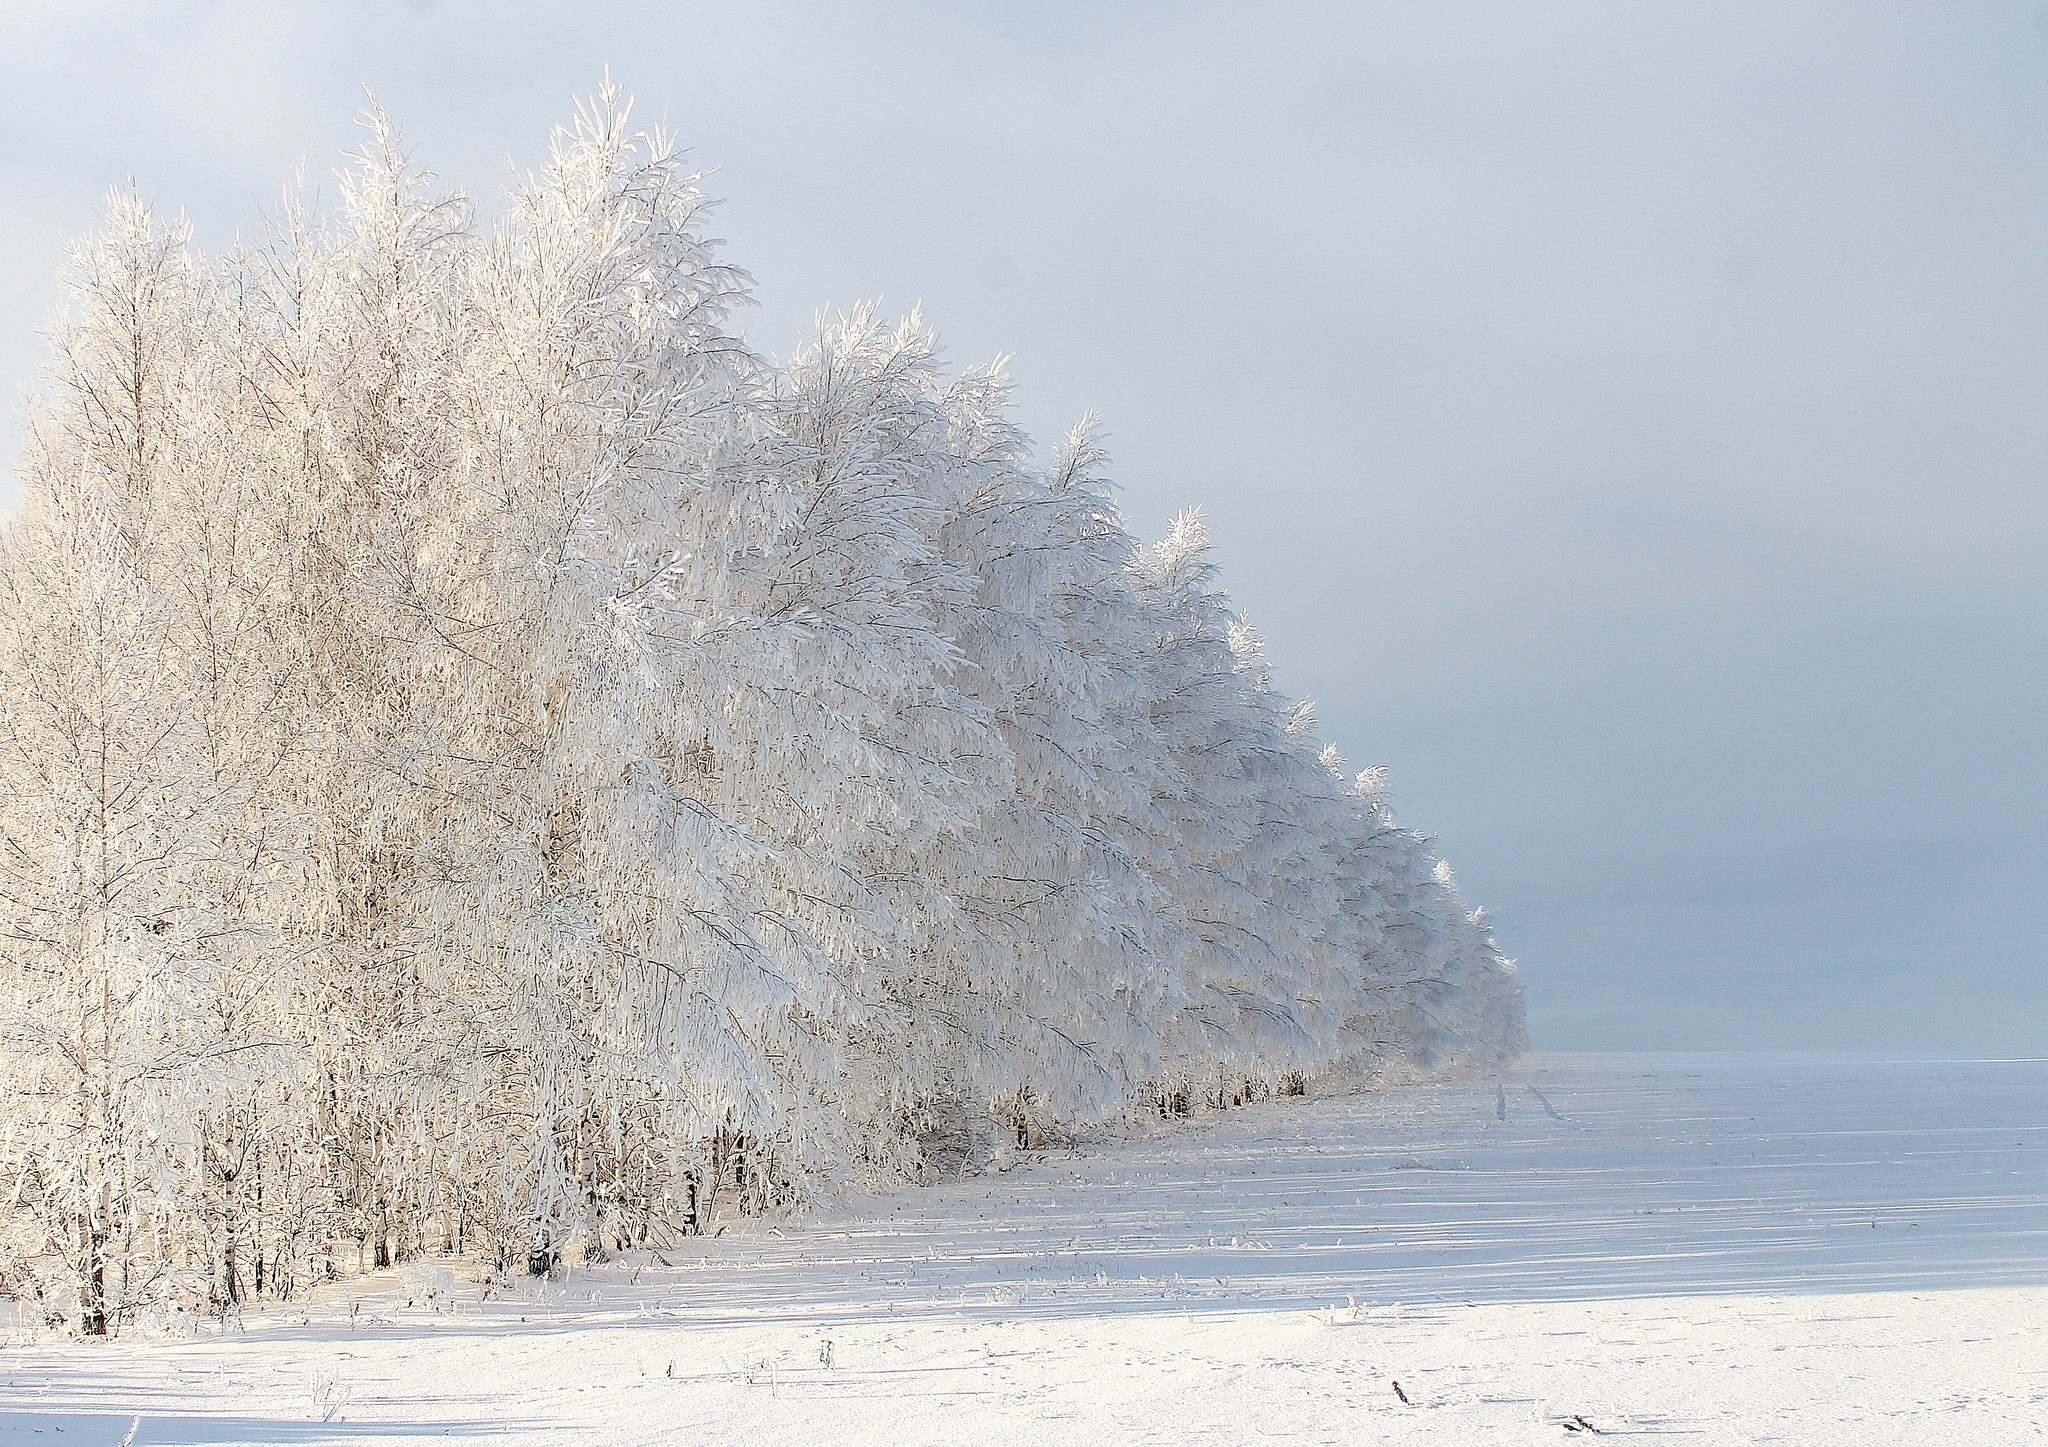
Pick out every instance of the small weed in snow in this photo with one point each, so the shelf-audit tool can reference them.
(1349, 1311)
(329, 1396)
(429, 1287)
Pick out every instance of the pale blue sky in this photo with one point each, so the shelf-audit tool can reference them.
(1626, 421)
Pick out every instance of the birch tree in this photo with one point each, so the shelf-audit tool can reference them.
(490, 765)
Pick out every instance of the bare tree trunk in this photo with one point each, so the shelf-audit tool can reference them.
(92, 1278)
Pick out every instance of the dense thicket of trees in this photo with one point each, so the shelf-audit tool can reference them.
(489, 764)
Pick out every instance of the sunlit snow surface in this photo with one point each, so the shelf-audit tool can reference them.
(1712, 1249)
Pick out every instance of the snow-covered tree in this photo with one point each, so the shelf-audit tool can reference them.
(490, 765)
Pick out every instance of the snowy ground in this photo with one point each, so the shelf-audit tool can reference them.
(1800, 1250)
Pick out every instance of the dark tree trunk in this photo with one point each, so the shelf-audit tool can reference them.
(92, 1281)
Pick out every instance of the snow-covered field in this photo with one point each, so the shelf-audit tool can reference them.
(1712, 1249)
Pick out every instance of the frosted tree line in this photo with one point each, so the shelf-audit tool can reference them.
(490, 765)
